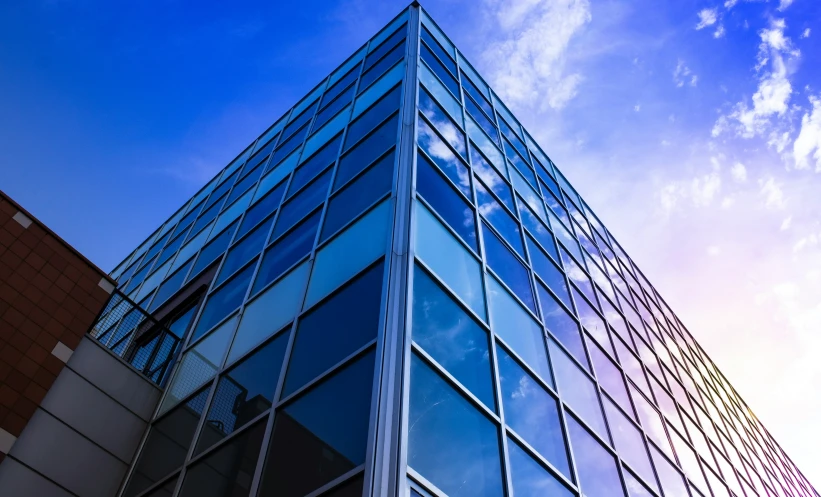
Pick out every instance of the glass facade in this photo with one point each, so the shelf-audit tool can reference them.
(396, 292)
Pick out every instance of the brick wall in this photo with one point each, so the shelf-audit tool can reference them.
(49, 297)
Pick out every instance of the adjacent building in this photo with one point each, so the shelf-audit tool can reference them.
(395, 291)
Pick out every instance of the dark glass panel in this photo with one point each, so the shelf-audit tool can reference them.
(316, 163)
(299, 121)
(213, 250)
(186, 221)
(548, 271)
(206, 217)
(481, 119)
(446, 201)
(219, 191)
(286, 252)
(559, 322)
(309, 447)
(244, 184)
(223, 302)
(450, 442)
(529, 478)
(508, 267)
(375, 114)
(491, 178)
(439, 69)
(385, 47)
(243, 393)
(499, 218)
(285, 148)
(301, 204)
(366, 151)
(169, 250)
(451, 337)
(362, 193)
(331, 332)
(337, 105)
(170, 286)
(243, 251)
(139, 277)
(443, 156)
(532, 412)
(444, 124)
(341, 86)
(261, 209)
(430, 41)
(380, 67)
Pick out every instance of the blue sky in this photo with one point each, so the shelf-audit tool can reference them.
(693, 128)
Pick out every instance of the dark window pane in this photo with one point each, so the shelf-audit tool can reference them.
(367, 151)
(548, 271)
(351, 488)
(513, 136)
(377, 113)
(223, 301)
(138, 278)
(330, 111)
(340, 86)
(577, 390)
(451, 443)
(380, 67)
(167, 444)
(243, 393)
(532, 412)
(331, 332)
(477, 95)
(300, 205)
(508, 267)
(540, 232)
(520, 163)
(169, 250)
(259, 157)
(213, 250)
(221, 190)
(285, 148)
(155, 249)
(354, 198)
(559, 322)
(451, 337)
(433, 111)
(529, 478)
(490, 177)
(481, 119)
(180, 323)
(309, 447)
(186, 221)
(499, 218)
(385, 47)
(299, 121)
(205, 218)
(434, 45)
(598, 473)
(439, 69)
(244, 184)
(261, 209)
(442, 197)
(243, 251)
(318, 162)
(287, 251)
(443, 156)
(170, 286)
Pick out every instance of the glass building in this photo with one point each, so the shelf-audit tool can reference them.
(395, 291)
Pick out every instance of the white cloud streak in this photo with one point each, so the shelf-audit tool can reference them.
(683, 75)
(772, 193)
(808, 143)
(706, 17)
(739, 172)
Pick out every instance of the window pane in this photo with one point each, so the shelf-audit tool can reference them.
(229, 471)
(288, 146)
(651, 421)
(449, 259)
(308, 447)
(243, 393)
(610, 378)
(212, 251)
(443, 156)
(366, 151)
(304, 202)
(261, 209)
(223, 301)
(287, 251)
(532, 412)
(453, 208)
(359, 195)
(330, 332)
(372, 94)
(244, 184)
(269, 312)
(340, 86)
(450, 443)
(450, 132)
(537, 229)
(380, 50)
(490, 177)
(350, 252)
(243, 251)
(480, 117)
(529, 478)
(592, 322)
(634, 487)
(548, 271)
(561, 325)
(331, 110)
(380, 67)
(519, 331)
(629, 442)
(232, 213)
(443, 93)
(577, 390)
(488, 148)
(499, 218)
(167, 444)
(671, 480)
(373, 116)
(502, 261)
(473, 91)
(436, 48)
(316, 163)
(598, 473)
(169, 287)
(451, 337)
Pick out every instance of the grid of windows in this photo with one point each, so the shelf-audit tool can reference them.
(538, 358)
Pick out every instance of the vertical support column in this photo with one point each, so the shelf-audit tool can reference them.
(386, 475)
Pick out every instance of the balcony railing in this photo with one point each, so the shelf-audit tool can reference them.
(134, 335)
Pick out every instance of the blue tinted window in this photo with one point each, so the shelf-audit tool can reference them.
(318, 162)
(287, 251)
(536, 228)
(331, 332)
(259, 157)
(433, 111)
(170, 286)
(577, 275)
(499, 218)
(477, 95)
(671, 480)
(529, 478)
(443, 156)
(244, 184)
(559, 322)
(451, 443)
(437, 67)
(629, 442)
(186, 221)
(548, 271)
(491, 178)
(592, 322)
(170, 250)
(553, 186)
(521, 164)
(513, 136)
(598, 472)
(508, 267)
(288, 146)
(298, 207)
(205, 218)
(367, 151)
(330, 111)
(373, 116)
(385, 47)
(221, 190)
(577, 390)
(299, 121)
(223, 301)
(481, 119)
(354, 198)
(309, 447)
(446, 201)
(155, 249)
(243, 252)
(532, 412)
(451, 337)
(261, 209)
(139, 277)
(341, 86)
(213, 250)
(610, 378)
(434, 45)
(380, 67)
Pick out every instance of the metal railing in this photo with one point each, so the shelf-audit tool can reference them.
(133, 334)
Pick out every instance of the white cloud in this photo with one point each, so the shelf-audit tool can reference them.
(806, 33)
(784, 4)
(785, 224)
(637, 107)
(713, 250)
(772, 193)
(810, 240)
(681, 73)
(729, 4)
(700, 191)
(739, 172)
(719, 32)
(809, 138)
(694, 80)
(707, 17)
(528, 63)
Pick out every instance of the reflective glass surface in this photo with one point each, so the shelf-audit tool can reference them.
(286, 251)
(577, 390)
(529, 478)
(446, 201)
(598, 472)
(221, 302)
